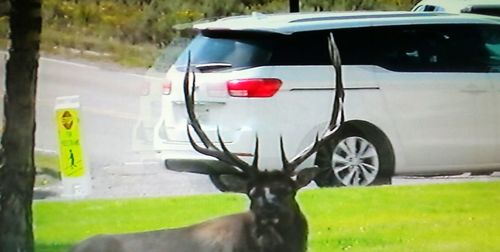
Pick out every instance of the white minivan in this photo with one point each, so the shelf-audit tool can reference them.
(422, 92)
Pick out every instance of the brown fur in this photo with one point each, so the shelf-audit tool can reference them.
(225, 234)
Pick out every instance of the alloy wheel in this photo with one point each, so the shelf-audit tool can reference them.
(355, 161)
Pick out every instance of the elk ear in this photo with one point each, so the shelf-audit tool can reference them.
(234, 183)
(305, 176)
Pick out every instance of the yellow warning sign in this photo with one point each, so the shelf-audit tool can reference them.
(70, 149)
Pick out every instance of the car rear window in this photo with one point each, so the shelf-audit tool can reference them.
(252, 49)
(228, 49)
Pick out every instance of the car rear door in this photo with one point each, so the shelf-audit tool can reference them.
(436, 85)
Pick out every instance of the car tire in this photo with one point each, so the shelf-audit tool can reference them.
(218, 184)
(485, 173)
(355, 158)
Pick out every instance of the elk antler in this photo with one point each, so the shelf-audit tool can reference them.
(335, 120)
(210, 148)
(226, 156)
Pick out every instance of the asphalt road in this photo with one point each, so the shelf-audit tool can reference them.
(109, 99)
(109, 107)
(151, 179)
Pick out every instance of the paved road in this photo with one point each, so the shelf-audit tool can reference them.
(151, 179)
(110, 108)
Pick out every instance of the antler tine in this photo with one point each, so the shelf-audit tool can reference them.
(210, 148)
(337, 117)
(193, 88)
(338, 103)
(206, 151)
(212, 152)
(232, 157)
(284, 160)
(255, 162)
(307, 152)
(189, 100)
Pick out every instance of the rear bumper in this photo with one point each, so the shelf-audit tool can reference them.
(240, 142)
(167, 149)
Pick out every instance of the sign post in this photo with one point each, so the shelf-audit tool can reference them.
(75, 173)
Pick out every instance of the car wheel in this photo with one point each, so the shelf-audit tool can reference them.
(355, 158)
(217, 183)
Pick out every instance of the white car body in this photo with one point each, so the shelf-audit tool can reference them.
(435, 122)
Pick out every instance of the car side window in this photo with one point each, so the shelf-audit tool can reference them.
(410, 48)
(450, 49)
(418, 48)
(302, 48)
(491, 38)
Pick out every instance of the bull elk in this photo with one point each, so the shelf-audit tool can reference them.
(274, 222)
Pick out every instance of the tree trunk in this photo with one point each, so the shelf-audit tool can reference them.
(17, 171)
(294, 5)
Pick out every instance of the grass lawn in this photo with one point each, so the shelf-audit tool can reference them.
(444, 217)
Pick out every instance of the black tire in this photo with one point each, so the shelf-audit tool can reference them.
(384, 161)
(217, 183)
(484, 173)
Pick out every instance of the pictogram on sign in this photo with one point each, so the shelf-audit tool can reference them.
(67, 120)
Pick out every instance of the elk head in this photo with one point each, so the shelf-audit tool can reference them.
(273, 206)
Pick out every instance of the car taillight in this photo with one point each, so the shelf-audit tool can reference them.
(167, 87)
(266, 87)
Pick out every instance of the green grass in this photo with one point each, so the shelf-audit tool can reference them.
(450, 217)
(74, 44)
